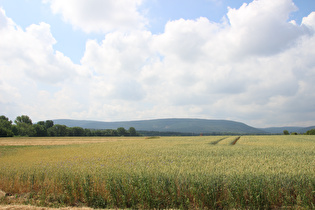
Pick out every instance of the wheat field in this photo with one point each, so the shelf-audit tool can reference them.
(205, 172)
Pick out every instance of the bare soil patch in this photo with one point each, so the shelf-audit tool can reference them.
(234, 142)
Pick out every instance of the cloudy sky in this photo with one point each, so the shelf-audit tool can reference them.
(117, 60)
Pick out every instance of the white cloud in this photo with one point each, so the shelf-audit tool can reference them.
(118, 52)
(100, 16)
(309, 21)
(262, 27)
(30, 53)
(30, 67)
(185, 38)
(116, 64)
(258, 68)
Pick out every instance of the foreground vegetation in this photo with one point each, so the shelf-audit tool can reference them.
(168, 172)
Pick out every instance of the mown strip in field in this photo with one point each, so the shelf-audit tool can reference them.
(230, 140)
(235, 140)
(261, 172)
(217, 141)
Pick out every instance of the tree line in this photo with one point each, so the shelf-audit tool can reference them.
(23, 126)
(309, 132)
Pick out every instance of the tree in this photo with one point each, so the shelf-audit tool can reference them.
(49, 123)
(5, 122)
(58, 130)
(76, 131)
(40, 130)
(24, 129)
(5, 127)
(111, 132)
(24, 126)
(286, 132)
(121, 131)
(5, 132)
(15, 130)
(310, 132)
(51, 132)
(132, 131)
(41, 123)
(23, 119)
(88, 132)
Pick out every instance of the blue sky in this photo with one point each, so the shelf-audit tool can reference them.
(117, 60)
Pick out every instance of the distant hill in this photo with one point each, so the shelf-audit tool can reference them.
(279, 130)
(303, 130)
(179, 125)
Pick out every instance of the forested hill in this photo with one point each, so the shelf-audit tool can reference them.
(195, 126)
(290, 129)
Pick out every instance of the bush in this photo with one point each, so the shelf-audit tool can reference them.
(5, 132)
(310, 132)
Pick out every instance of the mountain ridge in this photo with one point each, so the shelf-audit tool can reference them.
(180, 125)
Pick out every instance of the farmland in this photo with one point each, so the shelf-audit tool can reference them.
(160, 172)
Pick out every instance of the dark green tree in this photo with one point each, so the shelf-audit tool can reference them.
(49, 123)
(58, 130)
(99, 132)
(286, 132)
(24, 126)
(51, 132)
(5, 127)
(41, 123)
(111, 132)
(40, 130)
(23, 119)
(15, 130)
(310, 132)
(5, 122)
(88, 132)
(132, 131)
(76, 131)
(121, 131)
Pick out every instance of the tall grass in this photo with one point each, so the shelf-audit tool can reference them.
(168, 172)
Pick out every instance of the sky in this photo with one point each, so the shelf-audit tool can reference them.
(121, 60)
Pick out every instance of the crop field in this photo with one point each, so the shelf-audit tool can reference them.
(205, 172)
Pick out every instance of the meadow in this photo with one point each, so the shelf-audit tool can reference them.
(204, 172)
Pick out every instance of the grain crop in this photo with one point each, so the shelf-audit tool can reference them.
(257, 172)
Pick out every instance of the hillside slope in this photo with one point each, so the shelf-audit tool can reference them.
(169, 125)
(279, 130)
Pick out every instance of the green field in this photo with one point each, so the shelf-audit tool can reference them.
(163, 172)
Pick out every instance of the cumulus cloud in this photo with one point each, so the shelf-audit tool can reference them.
(30, 67)
(185, 38)
(257, 67)
(309, 21)
(100, 16)
(262, 27)
(31, 53)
